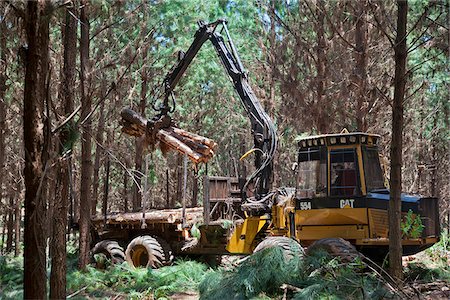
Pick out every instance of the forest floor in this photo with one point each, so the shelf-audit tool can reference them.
(427, 276)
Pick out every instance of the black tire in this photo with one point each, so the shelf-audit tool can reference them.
(147, 251)
(289, 246)
(111, 249)
(335, 247)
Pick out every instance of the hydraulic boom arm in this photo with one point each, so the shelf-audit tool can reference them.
(263, 130)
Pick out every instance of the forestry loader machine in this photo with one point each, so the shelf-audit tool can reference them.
(339, 202)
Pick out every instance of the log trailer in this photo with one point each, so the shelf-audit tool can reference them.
(340, 191)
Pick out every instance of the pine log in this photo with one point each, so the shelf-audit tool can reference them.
(133, 124)
(193, 215)
(198, 138)
(175, 144)
(134, 118)
(197, 148)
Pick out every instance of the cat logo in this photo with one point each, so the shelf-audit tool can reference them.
(346, 203)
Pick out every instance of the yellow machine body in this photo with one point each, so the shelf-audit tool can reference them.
(356, 210)
(242, 241)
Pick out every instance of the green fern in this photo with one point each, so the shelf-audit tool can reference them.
(412, 226)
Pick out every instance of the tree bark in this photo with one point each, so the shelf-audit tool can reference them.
(98, 150)
(137, 196)
(4, 220)
(51, 196)
(400, 52)
(36, 69)
(194, 188)
(179, 192)
(361, 64)
(107, 163)
(3, 107)
(125, 190)
(167, 189)
(10, 225)
(17, 218)
(270, 107)
(322, 121)
(86, 145)
(58, 239)
(106, 188)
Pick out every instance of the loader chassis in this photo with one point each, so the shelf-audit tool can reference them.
(341, 192)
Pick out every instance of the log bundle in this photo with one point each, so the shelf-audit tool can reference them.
(156, 216)
(198, 148)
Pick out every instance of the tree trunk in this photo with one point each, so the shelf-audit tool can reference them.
(106, 188)
(17, 218)
(179, 193)
(36, 69)
(361, 64)
(86, 145)
(3, 88)
(271, 109)
(98, 149)
(137, 196)
(109, 141)
(4, 220)
(51, 195)
(421, 152)
(269, 104)
(395, 238)
(74, 193)
(438, 169)
(167, 189)
(194, 188)
(322, 121)
(125, 190)
(10, 225)
(58, 239)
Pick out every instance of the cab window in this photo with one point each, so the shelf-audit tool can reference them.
(372, 169)
(312, 172)
(343, 173)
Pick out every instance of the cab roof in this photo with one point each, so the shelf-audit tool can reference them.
(346, 138)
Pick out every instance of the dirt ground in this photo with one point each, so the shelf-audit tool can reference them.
(418, 289)
(435, 290)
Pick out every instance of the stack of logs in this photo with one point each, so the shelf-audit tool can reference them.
(197, 148)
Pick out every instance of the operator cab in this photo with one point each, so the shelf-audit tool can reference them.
(339, 165)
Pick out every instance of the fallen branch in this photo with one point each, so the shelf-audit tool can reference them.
(77, 292)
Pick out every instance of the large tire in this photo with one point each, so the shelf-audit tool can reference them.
(290, 247)
(147, 251)
(335, 247)
(111, 249)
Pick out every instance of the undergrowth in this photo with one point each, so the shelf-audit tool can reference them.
(11, 277)
(264, 271)
(315, 277)
(259, 276)
(137, 283)
(434, 263)
(116, 280)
